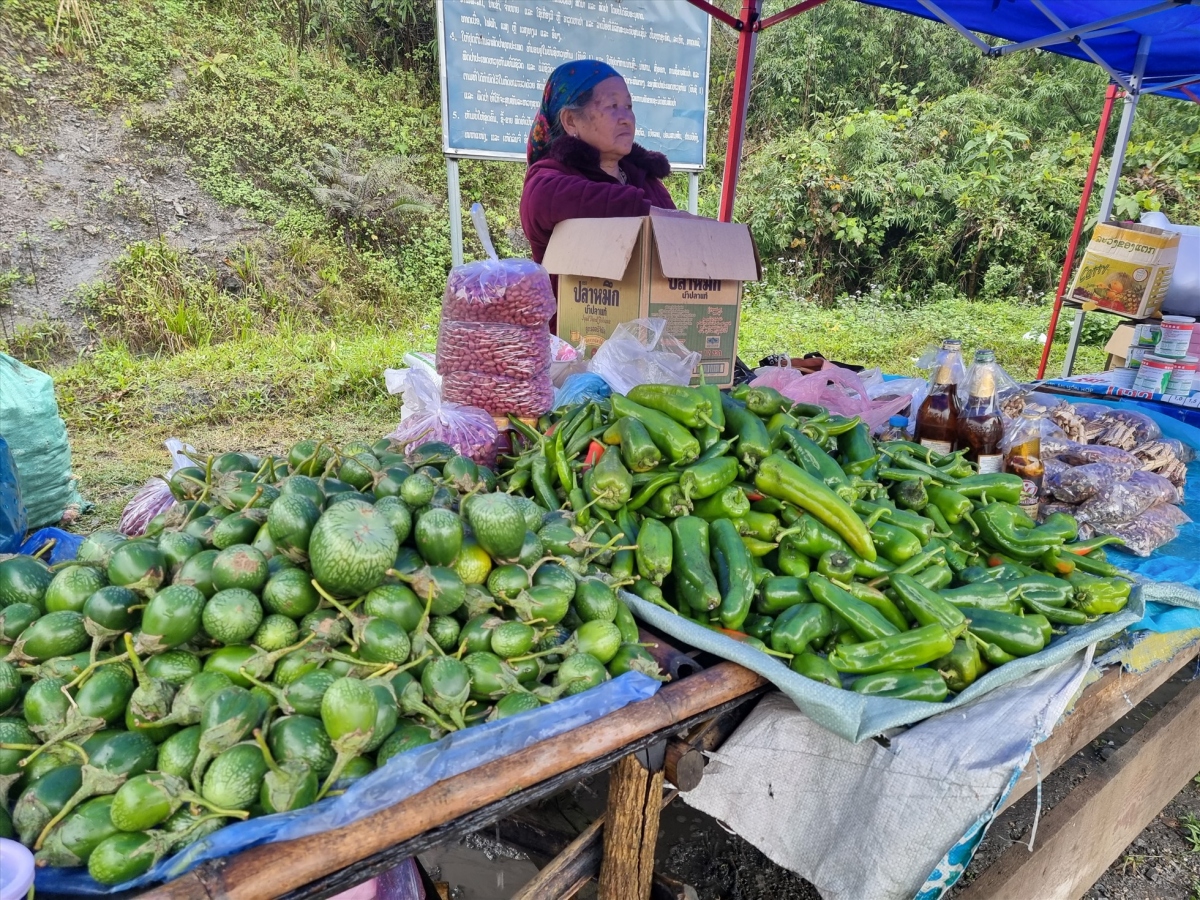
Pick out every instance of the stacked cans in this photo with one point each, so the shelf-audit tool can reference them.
(494, 341)
(1159, 353)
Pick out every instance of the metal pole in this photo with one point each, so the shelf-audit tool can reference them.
(693, 192)
(1123, 130)
(1114, 177)
(1110, 97)
(454, 197)
(747, 42)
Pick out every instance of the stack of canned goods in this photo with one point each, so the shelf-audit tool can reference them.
(1159, 353)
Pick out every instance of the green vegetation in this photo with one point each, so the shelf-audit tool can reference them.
(891, 174)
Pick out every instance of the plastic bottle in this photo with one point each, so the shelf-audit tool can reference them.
(896, 430)
(1023, 456)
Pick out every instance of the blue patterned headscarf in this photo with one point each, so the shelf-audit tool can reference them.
(564, 87)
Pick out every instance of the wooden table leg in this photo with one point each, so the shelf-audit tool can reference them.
(631, 830)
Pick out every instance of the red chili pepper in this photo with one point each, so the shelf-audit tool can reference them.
(736, 635)
(595, 451)
(753, 496)
(550, 430)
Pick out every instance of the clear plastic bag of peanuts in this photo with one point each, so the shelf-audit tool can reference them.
(512, 291)
(469, 430)
(499, 395)
(492, 348)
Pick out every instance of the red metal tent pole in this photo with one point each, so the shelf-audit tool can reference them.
(1080, 216)
(747, 40)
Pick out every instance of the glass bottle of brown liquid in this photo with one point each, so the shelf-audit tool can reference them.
(1023, 456)
(937, 418)
(980, 428)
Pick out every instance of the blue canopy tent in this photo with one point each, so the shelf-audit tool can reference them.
(1145, 46)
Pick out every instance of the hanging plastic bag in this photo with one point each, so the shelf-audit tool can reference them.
(468, 429)
(155, 495)
(642, 352)
(12, 510)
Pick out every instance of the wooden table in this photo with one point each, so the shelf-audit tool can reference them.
(1077, 841)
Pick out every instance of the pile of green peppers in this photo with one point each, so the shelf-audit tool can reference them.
(881, 567)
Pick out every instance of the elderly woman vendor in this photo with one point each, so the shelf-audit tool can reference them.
(583, 162)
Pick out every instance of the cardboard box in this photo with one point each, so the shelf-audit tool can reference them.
(1117, 347)
(1127, 269)
(688, 271)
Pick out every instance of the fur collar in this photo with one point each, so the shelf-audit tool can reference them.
(577, 154)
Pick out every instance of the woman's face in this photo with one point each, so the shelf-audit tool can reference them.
(607, 122)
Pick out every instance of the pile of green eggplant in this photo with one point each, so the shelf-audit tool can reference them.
(285, 627)
(879, 567)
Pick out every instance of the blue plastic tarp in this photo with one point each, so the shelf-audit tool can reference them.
(1174, 31)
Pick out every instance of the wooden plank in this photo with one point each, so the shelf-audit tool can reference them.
(1085, 832)
(631, 830)
(1102, 704)
(570, 870)
(273, 870)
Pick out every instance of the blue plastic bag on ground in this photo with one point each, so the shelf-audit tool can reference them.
(65, 547)
(12, 510)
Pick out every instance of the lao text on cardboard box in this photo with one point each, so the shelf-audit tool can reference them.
(688, 271)
(1127, 269)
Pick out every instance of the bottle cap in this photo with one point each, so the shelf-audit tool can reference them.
(898, 421)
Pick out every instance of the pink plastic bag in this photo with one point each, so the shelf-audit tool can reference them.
(839, 390)
(468, 429)
(154, 496)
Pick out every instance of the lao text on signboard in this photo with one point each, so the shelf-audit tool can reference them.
(497, 54)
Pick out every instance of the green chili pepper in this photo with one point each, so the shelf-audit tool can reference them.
(866, 621)
(798, 626)
(777, 422)
(1056, 615)
(858, 452)
(950, 503)
(938, 476)
(763, 526)
(655, 551)
(675, 441)
(1093, 566)
(647, 491)
(735, 573)
(815, 667)
(581, 441)
(727, 503)
(669, 502)
(893, 543)
(1092, 544)
(918, 451)
(637, 450)
(956, 464)
(879, 601)
(651, 593)
(703, 479)
(919, 525)
(694, 579)
(686, 405)
(611, 483)
(1016, 635)
(910, 495)
(560, 463)
(898, 651)
(814, 460)
(534, 437)
(759, 626)
(1099, 596)
(981, 595)
(778, 477)
(543, 488)
(993, 654)
(961, 667)
(780, 592)
(927, 607)
(764, 401)
(720, 449)
(578, 500)
(837, 565)
(711, 434)
(753, 442)
(757, 548)
(793, 561)
(1057, 528)
(990, 488)
(924, 685)
(935, 577)
(920, 561)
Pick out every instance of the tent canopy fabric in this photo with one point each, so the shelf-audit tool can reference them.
(1111, 29)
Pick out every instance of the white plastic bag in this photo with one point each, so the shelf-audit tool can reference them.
(642, 352)
(155, 495)
(426, 417)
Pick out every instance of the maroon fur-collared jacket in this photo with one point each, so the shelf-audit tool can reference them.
(568, 183)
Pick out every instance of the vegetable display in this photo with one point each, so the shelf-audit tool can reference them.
(882, 568)
(286, 626)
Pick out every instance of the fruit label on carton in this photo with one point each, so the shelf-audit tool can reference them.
(1127, 270)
